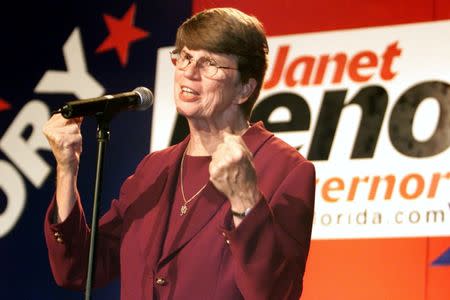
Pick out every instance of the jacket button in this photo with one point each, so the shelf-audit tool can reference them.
(58, 237)
(160, 281)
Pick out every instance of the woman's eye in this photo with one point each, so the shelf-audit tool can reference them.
(184, 56)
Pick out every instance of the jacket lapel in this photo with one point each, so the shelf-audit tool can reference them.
(154, 226)
(256, 136)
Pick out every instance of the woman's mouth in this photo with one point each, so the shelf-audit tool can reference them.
(188, 94)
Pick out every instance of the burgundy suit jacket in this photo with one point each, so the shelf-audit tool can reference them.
(263, 258)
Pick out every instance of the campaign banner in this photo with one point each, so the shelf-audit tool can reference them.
(370, 107)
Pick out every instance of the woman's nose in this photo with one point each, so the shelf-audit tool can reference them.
(192, 70)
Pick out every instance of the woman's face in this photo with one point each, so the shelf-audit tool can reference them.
(202, 97)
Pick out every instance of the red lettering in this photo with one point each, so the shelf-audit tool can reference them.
(277, 68)
(354, 186)
(362, 60)
(418, 189)
(331, 185)
(340, 59)
(308, 62)
(388, 57)
(434, 183)
(360, 68)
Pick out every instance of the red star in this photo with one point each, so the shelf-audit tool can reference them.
(4, 105)
(122, 32)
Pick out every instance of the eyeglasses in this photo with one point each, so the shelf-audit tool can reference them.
(207, 66)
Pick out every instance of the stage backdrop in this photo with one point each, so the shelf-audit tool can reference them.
(52, 52)
(360, 88)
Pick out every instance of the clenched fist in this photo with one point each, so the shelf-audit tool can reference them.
(64, 137)
(232, 172)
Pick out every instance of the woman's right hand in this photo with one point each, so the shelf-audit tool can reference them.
(64, 137)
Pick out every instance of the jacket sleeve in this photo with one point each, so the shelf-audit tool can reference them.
(270, 246)
(68, 242)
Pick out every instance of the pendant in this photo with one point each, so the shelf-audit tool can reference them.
(183, 210)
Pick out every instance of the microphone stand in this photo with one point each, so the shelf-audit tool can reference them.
(103, 120)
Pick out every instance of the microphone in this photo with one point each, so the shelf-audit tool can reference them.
(141, 98)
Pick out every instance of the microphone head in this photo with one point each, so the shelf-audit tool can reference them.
(146, 97)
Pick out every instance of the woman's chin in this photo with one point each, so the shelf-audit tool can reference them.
(188, 112)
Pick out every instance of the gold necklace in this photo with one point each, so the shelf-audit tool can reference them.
(184, 208)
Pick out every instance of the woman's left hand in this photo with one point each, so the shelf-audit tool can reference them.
(232, 172)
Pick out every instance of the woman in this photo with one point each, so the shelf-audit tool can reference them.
(225, 214)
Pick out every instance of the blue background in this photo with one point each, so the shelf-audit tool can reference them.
(33, 34)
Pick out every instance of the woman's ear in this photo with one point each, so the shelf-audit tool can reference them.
(246, 90)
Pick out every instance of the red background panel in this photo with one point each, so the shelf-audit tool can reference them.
(441, 10)
(369, 269)
(286, 17)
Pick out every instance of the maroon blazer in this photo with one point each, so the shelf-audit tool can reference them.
(263, 258)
